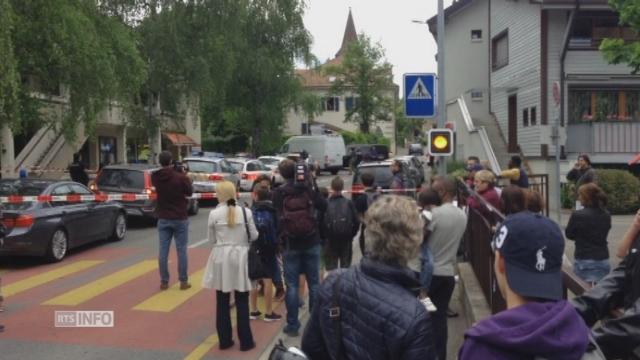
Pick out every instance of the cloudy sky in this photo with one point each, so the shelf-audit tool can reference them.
(409, 47)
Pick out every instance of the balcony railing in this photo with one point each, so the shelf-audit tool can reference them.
(603, 137)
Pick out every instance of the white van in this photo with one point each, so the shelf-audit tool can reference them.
(324, 150)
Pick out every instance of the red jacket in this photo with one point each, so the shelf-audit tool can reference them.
(491, 196)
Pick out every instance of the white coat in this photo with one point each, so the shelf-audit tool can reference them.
(227, 268)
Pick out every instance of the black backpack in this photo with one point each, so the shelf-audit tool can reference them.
(298, 216)
(339, 219)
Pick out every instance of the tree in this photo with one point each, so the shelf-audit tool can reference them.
(617, 51)
(264, 85)
(70, 48)
(309, 104)
(9, 80)
(365, 73)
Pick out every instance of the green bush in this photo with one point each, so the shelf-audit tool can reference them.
(361, 138)
(622, 189)
(568, 195)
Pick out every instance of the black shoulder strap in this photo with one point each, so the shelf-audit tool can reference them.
(335, 315)
(246, 224)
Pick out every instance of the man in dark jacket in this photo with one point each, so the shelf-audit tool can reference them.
(582, 172)
(538, 323)
(371, 311)
(618, 337)
(296, 202)
(173, 187)
(78, 171)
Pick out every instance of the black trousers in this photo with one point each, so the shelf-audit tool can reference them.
(342, 253)
(440, 293)
(223, 319)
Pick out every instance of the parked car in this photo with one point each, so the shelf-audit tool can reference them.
(325, 151)
(249, 171)
(381, 171)
(207, 172)
(272, 163)
(366, 152)
(135, 179)
(416, 149)
(51, 229)
(415, 166)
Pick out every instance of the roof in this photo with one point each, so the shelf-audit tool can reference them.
(179, 139)
(456, 6)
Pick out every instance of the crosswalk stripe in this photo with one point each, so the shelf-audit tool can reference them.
(102, 285)
(37, 280)
(166, 301)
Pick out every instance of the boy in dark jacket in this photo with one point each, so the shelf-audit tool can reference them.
(266, 220)
(538, 323)
(340, 225)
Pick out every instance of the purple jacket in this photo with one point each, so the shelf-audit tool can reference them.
(551, 330)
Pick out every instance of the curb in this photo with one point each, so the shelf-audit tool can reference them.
(303, 315)
(475, 305)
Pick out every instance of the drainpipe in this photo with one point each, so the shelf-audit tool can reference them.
(560, 120)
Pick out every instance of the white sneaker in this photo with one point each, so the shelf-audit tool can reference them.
(428, 304)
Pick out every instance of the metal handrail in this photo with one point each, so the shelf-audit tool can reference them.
(484, 138)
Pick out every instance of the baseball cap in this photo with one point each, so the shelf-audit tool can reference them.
(532, 247)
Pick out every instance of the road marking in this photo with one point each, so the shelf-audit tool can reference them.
(166, 301)
(37, 280)
(102, 285)
(204, 241)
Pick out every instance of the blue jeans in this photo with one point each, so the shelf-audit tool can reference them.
(426, 270)
(298, 262)
(178, 229)
(591, 271)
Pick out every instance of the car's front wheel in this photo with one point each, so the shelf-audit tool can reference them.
(119, 228)
(58, 246)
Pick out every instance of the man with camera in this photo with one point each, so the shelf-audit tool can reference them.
(173, 187)
(296, 203)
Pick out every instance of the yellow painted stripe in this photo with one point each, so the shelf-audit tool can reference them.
(167, 301)
(37, 280)
(102, 285)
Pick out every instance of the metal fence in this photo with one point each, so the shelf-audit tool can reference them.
(477, 250)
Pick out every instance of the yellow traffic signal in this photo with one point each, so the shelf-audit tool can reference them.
(440, 142)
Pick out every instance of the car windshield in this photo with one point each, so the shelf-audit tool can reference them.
(270, 161)
(121, 178)
(21, 188)
(201, 166)
(382, 175)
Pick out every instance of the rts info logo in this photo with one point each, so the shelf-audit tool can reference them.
(84, 319)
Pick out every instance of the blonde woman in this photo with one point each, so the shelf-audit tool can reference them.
(230, 228)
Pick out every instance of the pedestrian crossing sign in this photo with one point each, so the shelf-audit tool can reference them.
(420, 95)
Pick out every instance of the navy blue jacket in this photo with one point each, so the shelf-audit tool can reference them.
(381, 317)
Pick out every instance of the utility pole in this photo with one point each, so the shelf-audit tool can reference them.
(442, 101)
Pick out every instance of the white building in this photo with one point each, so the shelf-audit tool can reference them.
(541, 66)
(335, 107)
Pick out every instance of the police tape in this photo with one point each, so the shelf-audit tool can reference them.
(129, 197)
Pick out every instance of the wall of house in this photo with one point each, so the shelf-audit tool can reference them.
(467, 60)
(592, 63)
(521, 76)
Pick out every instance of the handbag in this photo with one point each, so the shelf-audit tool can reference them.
(281, 352)
(257, 270)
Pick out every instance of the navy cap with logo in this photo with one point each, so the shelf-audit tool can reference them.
(532, 247)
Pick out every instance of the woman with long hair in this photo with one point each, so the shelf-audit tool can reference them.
(589, 228)
(230, 228)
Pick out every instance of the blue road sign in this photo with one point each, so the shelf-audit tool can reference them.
(420, 95)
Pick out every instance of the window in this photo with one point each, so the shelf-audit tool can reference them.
(79, 190)
(533, 116)
(350, 103)
(477, 95)
(604, 105)
(332, 103)
(252, 167)
(591, 27)
(500, 50)
(206, 167)
(476, 35)
(525, 117)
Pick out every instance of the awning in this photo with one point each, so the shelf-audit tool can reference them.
(178, 139)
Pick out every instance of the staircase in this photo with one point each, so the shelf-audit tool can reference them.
(497, 140)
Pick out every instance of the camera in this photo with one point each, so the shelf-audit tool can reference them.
(179, 167)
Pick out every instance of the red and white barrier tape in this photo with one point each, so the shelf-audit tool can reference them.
(17, 199)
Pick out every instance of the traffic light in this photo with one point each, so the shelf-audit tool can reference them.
(440, 142)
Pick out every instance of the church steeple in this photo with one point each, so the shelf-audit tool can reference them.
(350, 35)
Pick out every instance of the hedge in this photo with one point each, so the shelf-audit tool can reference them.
(361, 138)
(622, 189)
